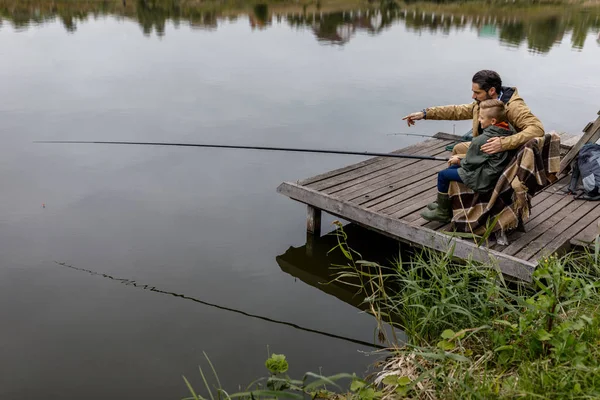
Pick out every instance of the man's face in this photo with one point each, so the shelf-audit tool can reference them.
(480, 95)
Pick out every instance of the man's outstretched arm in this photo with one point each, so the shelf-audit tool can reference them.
(455, 112)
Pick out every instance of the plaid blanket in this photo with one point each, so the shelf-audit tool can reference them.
(534, 167)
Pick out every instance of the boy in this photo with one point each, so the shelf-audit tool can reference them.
(477, 170)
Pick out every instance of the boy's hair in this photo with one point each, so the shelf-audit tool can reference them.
(494, 108)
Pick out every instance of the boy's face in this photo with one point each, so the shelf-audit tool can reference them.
(485, 120)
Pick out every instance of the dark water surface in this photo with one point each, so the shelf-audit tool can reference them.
(208, 224)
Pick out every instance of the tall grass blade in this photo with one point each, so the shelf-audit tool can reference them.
(213, 370)
(271, 393)
(206, 384)
(191, 389)
(322, 380)
(489, 227)
(596, 249)
(255, 382)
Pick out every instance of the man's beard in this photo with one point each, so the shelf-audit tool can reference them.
(487, 98)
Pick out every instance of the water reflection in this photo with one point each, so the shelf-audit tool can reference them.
(318, 264)
(539, 29)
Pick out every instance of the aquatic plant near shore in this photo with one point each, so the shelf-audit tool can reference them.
(280, 385)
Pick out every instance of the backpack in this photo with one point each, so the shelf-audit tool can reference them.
(587, 167)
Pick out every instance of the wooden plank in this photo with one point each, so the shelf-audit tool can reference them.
(371, 171)
(408, 200)
(564, 240)
(412, 190)
(550, 217)
(447, 136)
(567, 221)
(347, 179)
(586, 235)
(510, 266)
(413, 209)
(369, 191)
(539, 198)
(567, 141)
(540, 212)
(435, 225)
(348, 168)
(369, 161)
(557, 186)
(539, 203)
(380, 191)
(377, 173)
(591, 135)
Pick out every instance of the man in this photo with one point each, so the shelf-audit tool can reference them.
(488, 85)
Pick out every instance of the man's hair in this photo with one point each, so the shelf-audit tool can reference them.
(487, 79)
(494, 108)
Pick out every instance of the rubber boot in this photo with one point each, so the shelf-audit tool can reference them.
(432, 206)
(443, 212)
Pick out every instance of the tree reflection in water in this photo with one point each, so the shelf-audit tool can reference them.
(539, 28)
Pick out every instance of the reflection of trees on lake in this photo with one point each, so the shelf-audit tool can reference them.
(339, 27)
(538, 32)
(153, 15)
(513, 33)
(545, 33)
(260, 17)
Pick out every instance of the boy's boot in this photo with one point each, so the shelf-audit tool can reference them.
(443, 212)
(432, 206)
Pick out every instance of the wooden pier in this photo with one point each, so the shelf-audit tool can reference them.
(388, 194)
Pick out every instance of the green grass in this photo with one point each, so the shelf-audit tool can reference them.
(473, 335)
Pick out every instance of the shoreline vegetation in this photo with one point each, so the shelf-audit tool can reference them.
(469, 333)
(538, 25)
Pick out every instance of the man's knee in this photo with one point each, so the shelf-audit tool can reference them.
(461, 148)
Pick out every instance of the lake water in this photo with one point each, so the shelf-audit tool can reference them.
(208, 224)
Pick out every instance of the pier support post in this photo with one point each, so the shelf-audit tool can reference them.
(311, 243)
(313, 221)
(313, 229)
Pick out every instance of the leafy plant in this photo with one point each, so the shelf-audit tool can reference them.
(472, 335)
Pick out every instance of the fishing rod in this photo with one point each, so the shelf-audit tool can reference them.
(130, 282)
(225, 146)
(409, 134)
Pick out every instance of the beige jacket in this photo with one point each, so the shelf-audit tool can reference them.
(527, 125)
